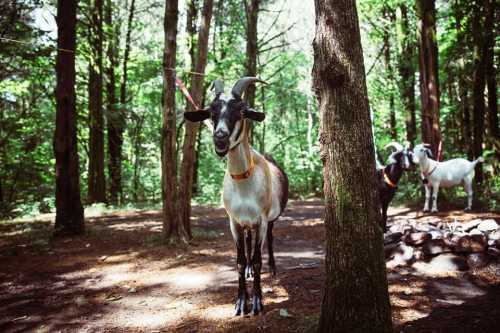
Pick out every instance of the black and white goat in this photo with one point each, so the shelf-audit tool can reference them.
(443, 174)
(388, 177)
(255, 189)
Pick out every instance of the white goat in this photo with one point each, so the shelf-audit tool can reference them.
(443, 174)
(255, 189)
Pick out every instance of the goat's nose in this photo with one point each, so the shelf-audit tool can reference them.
(221, 134)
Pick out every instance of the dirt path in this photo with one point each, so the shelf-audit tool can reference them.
(119, 278)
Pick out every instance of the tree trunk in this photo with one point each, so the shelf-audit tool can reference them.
(489, 28)
(69, 210)
(478, 86)
(389, 17)
(188, 149)
(96, 181)
(252, 16)
(429, 83)
(115, 136)
(407, 74)
(173, 230)
(356, 297)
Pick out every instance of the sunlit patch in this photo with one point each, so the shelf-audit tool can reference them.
(190, 279)
(219, 312)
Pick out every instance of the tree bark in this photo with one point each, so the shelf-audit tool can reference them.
(429, 83)
(188, 149)
(69, 210)
(115, 136)
(478, 86)
(356, 297)
(173, 230)
(407, 74)
(96, 181)
(252, 16)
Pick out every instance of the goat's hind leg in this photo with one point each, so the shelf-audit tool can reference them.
(241, 261)
(270, 250)
(469, 191)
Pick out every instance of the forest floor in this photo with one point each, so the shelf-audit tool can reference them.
(119, 278)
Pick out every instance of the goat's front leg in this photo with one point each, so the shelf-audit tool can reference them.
(248, 245)
(241, 262)
(427, 197)
(470, 193)
(260, 237)
(435, 190)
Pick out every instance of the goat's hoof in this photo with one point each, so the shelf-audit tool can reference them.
(248, 271)
(467, 209)
(434, 211)
(426, 210)
(257, 306)
(241, 306)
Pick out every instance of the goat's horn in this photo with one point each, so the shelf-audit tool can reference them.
(396, 145)
(242, 84)
(428, 145)
(218, 86)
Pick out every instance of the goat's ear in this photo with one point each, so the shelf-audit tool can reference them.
(254, 115)
(195, 116)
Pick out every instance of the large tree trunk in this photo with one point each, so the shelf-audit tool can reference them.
(478, 86)
(115, 137)
(69, 210)
(188, 149)
(252, 16)
(429, 83)
(96, 181)
(407, 73)
(356, 297)
(173, 229)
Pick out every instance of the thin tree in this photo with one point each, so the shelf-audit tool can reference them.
(389, 16)
(480, 53)
(428, 65)
(252, 18)
(69, 210)
(407, 74)
(96, 180)
(115, 136)
(188, 149)
(173, 229)
(355, 295)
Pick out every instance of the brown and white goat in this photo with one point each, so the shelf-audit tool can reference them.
(255, 189)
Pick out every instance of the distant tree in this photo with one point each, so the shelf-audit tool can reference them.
(69, 210)
(390, 17)
(188, 149)
(173, 229)
(355, 296)
(429, 82)
(96, 180)
(407, 73)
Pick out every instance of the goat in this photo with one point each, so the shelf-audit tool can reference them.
(388, 177)
(443, 174)
(255, 189)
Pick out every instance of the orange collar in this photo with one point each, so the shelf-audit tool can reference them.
(389, 181)
(245, 174)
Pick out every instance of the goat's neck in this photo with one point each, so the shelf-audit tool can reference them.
(427, 164)
(239, 158)
(394, 172)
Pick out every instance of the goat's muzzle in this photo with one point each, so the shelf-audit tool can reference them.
(221, 142)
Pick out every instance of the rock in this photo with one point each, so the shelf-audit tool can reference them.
(418, 254)
(389, 248)
(474, 243)
(477, 260)
(284, 313)
(494, 235)
(493, 252)
(423, 227)
(392, 237)
(399, 228)
(417, 238)
(488, 225)
(436, 234)
(470, 225)
(434, 247)
(443, 263)
(400, 255)
(475, 232)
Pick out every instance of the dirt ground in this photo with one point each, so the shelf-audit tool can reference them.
(119, 278)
